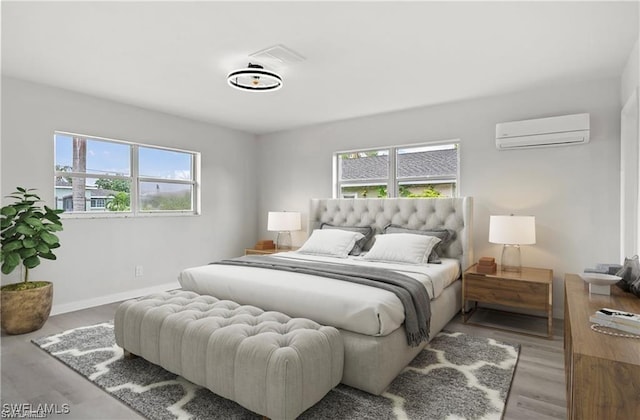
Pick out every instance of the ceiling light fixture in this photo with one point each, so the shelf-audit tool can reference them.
(254, 78)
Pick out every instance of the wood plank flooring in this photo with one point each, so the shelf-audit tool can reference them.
(29, 375)
(538, 388)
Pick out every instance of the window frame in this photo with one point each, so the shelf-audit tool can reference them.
(337, 171)
(393, 180)
(135, 179)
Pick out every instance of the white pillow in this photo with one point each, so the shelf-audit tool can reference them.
(330, 242)
(406, 248)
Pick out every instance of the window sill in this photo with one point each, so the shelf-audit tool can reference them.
(125, 215)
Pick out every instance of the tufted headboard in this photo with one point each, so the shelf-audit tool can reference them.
(412, 213)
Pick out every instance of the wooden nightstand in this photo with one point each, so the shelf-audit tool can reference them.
(530, 289)
(251, 251)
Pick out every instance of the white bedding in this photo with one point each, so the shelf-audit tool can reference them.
(354, 307)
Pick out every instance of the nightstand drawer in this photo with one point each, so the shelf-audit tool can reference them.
(520, 294)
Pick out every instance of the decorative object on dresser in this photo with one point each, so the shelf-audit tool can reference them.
(466, 377)
(616, 319)
(600, 284)
(604, 269)
(602, 277)
(283, 222)
(511, 232)
(487, 265)
(531, 288)
(630, 274)
(602, 371)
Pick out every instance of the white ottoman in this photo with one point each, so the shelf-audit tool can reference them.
(267, 362)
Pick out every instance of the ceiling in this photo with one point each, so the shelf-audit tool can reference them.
(361, 58)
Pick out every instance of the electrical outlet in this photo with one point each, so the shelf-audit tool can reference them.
(139, 271)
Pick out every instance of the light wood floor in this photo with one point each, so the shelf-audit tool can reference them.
(31, 376)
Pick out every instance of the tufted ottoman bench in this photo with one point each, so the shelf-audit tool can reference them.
(267, 362)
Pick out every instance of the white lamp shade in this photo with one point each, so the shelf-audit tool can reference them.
(281, 221)
(512, 230)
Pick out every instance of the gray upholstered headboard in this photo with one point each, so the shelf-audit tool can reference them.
(413, 213)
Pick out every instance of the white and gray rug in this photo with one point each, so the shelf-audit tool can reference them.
(456, 377)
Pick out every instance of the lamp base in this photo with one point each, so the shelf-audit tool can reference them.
(511, 259)
(283, 240)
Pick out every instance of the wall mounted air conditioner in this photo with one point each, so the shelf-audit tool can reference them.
(543, 132)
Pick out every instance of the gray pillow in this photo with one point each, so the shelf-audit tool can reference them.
(358, 248)
(446, 236)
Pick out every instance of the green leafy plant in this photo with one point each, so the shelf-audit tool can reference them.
(114, 184)
(429, 192)
(27, 232)
(119, 201)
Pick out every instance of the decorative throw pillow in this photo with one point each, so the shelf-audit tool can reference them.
(330, 242)
(446, 236)
(358, 248)
(404, 248)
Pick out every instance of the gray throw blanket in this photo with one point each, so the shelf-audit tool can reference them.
(412, 293)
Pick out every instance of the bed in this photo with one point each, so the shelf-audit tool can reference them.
(370, 320)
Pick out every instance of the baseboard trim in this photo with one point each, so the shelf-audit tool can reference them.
(116, 297)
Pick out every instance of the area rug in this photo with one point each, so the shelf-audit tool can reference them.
(456, 377)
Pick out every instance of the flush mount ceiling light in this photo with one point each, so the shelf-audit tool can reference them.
(254, 78)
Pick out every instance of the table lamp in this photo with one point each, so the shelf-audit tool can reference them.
(283, 222)
(512, 231)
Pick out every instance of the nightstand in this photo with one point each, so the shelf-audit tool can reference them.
(532, 288)
(252, 251)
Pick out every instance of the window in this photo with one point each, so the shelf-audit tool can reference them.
(98, 203)
(363, 173)
(424, 170)
(102, 176)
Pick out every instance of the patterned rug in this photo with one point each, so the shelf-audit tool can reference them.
(456, 377)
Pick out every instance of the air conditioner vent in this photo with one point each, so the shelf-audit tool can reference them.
(543, 132)
(278, 53)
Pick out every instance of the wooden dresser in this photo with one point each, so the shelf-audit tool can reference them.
(602, 371)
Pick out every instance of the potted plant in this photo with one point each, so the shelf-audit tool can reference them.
(27, 235)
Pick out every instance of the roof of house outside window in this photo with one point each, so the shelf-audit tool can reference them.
(96, 193)
(435, 163)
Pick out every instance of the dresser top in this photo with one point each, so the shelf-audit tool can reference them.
(580, 305)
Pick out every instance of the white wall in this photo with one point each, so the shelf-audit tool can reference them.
(97, 258)
(573, 191)
(630, 78)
